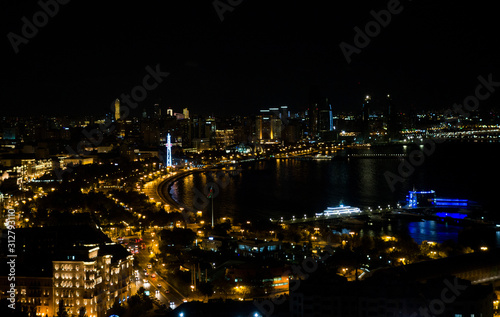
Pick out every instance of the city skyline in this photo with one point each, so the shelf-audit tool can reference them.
(249, 158)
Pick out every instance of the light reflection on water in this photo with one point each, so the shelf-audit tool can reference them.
(276, 188)
(431, 230)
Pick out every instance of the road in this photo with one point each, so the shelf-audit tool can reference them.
(167, 293)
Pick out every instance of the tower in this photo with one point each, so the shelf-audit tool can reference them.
(365, 117)
(117, 109)
(169, 151)
(185, 112)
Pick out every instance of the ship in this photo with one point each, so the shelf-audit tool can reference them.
(341, 210)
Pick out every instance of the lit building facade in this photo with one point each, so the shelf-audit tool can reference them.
(92, 280)
(224, 138)
(258, 279)
(35, 293)
(268, 127)
(91, 277)
(117, 109)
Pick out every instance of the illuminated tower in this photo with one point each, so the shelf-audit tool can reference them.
(169, 151)
(117, 109)
(185, 112)
(365, 115)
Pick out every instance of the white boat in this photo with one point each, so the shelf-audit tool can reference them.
(339, 211)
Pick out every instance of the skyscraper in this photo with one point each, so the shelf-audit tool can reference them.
(365, 117)
(268, 127)
(393, 120)
(325, 121)
(313, 114)
(117, 109)
(157, 111)
(185, 112)
(366, 108)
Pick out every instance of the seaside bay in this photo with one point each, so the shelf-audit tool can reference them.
(275, 188)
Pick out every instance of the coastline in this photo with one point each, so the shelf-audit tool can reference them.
(165, 196)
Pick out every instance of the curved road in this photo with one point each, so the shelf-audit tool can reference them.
(162, 188)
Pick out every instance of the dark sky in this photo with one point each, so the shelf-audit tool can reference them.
(264, 53)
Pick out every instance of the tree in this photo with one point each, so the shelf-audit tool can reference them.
(61, 312)
(206, 289)
(116, 309)
(177, 237)
(82, 312)
(138, 304)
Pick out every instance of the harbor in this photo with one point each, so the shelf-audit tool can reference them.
(420, 206)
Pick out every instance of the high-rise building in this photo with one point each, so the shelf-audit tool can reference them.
(150, 132)
(366, 108)
(157, 111)
(259, 127)
(393, 120)
(267, 127)
(365, 117)
(170, 112)
(185, 128)
(314, 104)
(325, 119)
(284, 112)
(224, 138)
(117, 109)
(185, 112)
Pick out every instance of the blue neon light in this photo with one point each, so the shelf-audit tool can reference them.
(413, 200)
(453, 215)
(451, 204)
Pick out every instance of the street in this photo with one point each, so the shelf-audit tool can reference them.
(167, 293)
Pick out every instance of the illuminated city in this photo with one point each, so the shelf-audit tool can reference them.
(239, 158)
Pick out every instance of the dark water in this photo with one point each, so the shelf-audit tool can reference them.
(275, 188)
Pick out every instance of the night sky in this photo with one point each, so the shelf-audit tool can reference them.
(263, 54)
